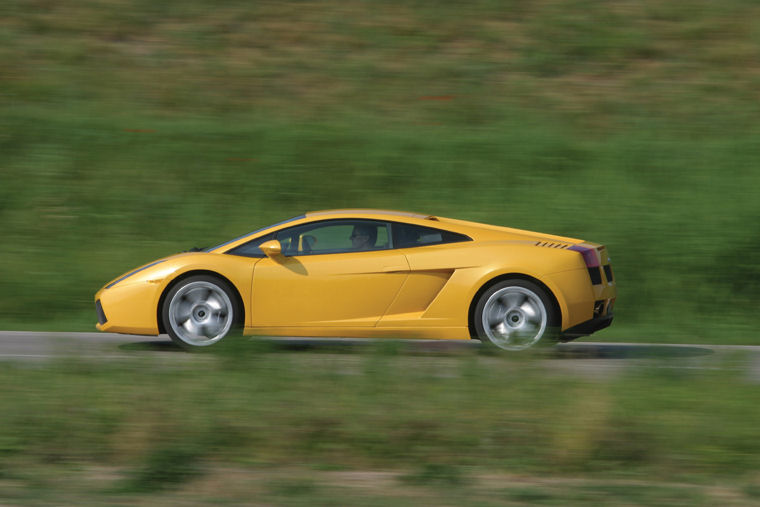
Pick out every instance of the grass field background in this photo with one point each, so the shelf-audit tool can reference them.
(132, 130)
(247, 425)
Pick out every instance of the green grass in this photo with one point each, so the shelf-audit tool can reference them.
(292, 426)
(130, 130)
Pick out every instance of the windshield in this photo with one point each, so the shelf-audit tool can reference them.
(254, 232)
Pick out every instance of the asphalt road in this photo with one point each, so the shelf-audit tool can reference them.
(592, 359)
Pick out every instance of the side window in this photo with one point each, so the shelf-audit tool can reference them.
(335, 236)
(407, 236)
(251, 249)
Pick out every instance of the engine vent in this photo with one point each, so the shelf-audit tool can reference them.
(550, 244)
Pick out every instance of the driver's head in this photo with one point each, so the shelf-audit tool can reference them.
(363, 237)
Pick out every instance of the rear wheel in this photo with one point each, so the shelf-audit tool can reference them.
(199, 311)
(516, 315)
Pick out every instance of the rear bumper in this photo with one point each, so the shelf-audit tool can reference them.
(587, 328)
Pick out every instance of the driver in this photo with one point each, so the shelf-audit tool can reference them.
(363, 237)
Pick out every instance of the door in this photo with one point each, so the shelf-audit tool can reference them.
(334, 273)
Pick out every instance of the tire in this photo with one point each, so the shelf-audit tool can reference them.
(199, 311)
(515, 315)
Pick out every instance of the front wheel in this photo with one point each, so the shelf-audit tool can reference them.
(515, 315)
(199, 311)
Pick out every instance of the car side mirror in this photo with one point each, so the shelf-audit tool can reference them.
(271, 248)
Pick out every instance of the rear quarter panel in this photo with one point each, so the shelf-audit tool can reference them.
(472, 265)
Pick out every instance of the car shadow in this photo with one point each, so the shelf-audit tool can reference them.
(578, 350)
(315, 345)
(561, 351)
(626, 351)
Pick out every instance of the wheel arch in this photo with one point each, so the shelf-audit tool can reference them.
(195, 272)
(500, 278)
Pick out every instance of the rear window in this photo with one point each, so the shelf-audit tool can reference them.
(408, 236)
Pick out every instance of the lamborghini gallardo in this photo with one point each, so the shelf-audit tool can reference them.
(373, 274)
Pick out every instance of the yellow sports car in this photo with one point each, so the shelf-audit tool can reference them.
(370, 273)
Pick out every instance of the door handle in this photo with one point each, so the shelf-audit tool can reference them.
(394, 269)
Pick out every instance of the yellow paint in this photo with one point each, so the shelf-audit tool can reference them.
(344, 289)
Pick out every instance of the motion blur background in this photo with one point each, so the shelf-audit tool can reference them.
(133, 130)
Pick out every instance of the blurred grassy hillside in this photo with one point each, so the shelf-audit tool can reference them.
(254, 425)
(130, 130)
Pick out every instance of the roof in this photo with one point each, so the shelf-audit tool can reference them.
(370, 212)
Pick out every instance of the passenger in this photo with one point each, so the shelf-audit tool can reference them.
(364, 237)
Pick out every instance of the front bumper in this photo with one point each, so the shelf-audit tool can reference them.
(587, 328)
(128, 308)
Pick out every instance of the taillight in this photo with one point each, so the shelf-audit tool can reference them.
(608, 272)
(595, 275)
(589, 255)
(591, 258)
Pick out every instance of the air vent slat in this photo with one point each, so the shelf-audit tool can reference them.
(551, 244)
